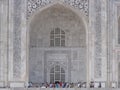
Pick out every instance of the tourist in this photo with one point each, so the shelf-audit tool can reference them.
(79, 85)
(60, 84)
(51, 85)
(99, 85)
(63, 85)
(67, 85)
(71, 85)
(30, 84)
(91, 84)
(57, 85)
(84, 85)
(43, 85)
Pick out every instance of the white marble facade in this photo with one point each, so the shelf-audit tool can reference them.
(92, 41)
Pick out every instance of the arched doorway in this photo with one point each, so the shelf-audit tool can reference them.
(57, 74)
(57, 37)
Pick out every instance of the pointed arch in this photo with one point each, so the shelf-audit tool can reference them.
(77, 15)
(62, 4)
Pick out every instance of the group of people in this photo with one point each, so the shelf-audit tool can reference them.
(63, 85)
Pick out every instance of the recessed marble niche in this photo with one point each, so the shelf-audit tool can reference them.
(71, 57)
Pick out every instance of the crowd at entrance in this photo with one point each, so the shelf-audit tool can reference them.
(66, 85)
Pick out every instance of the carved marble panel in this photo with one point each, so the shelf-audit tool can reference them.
(78, 71)
(50, 64)
(17, 40)
(82, 5)
(56, 57)
(33, 5)
(3, 39)
(98, 40)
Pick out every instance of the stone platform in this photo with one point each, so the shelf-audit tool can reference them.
(59, 88)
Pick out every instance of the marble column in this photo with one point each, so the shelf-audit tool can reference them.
(98, 26)
(3, 42)
(17, 43)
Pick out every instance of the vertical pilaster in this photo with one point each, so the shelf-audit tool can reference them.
(91, 40)
(104, 40)
(10, 42)
(109, 39)
(17, 40)
(24, 41)
(4, 42)
(98, 26)
(98, 40)
(17, 43)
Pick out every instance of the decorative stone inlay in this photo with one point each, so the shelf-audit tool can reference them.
(82, 5)
(50, 64)
(17, 39)
(98, 40)
(33, 5)
(56, 57)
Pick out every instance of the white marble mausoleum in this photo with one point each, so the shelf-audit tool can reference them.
(59, 40)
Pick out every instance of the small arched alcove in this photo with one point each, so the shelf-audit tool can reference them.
(57, 36)
(57, 74)
(119, 30)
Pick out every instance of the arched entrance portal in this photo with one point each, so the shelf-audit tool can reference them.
(57, 46)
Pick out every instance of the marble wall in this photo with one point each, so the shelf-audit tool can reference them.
(75, 45)
(100, 20)
(3, 42)
(17, 42)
